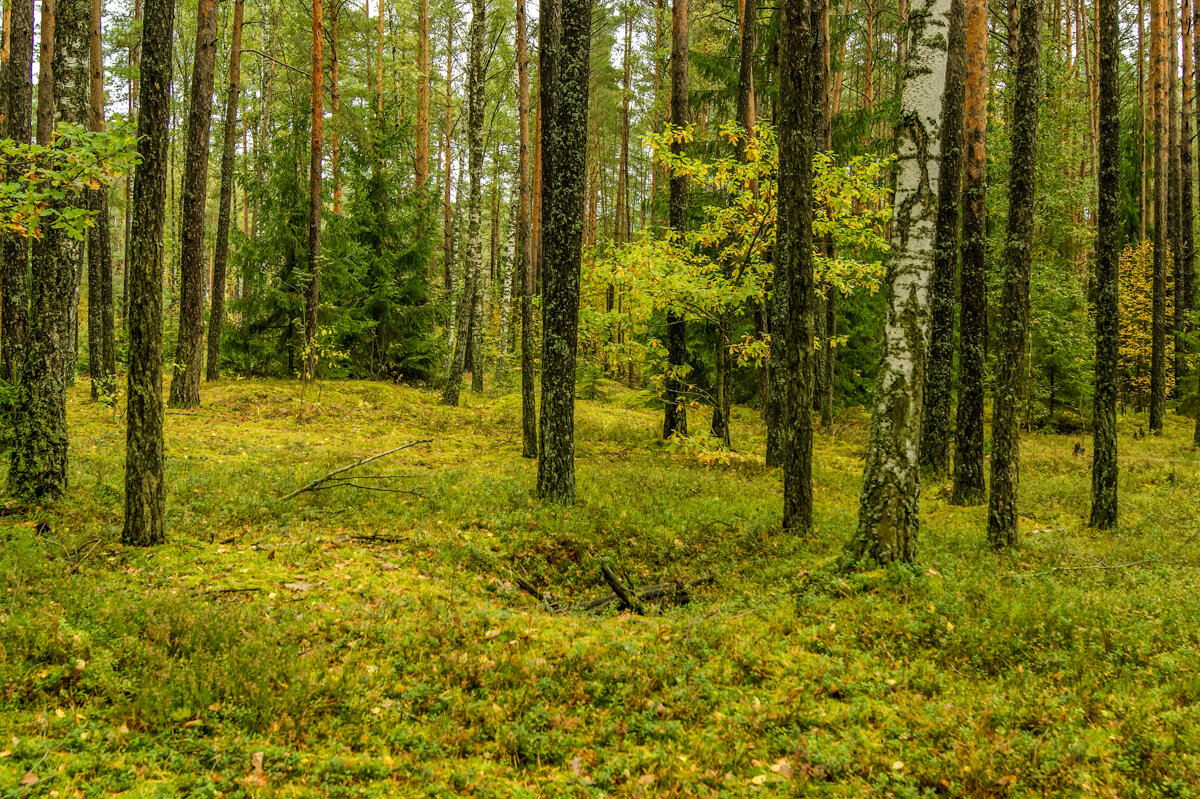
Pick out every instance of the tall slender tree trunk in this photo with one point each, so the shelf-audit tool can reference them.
(447, 221)
(145, 490)
(422, 161)
(335, 107)
(469, 304)
(1014, 302)
(14, 248)
(564, 50)
(185, 377)
(45, 84)
(1108, 247)
(1187, 252)
(311, 302)
(675, 418)
(102, 355)
(939, 374)
(216, 316)
(889, 511)
(38, 462)
(827, 304)
(1143, 208)
(1174, 200)
(134, 56)
(795, 256)
(969, 485)
(1158, 334)
(529, 438)
(379, 66)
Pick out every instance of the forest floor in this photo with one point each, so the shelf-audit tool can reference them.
(351, 642)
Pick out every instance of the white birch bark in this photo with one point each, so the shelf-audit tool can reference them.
(889, 511)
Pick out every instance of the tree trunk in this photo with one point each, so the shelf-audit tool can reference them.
(565, 48)
(888, 518)
(1186, 203)
(794, 254)
(470, 299)
(529, 437)
(216, 317)
(145, 495)
(1014, 303)
(45, 85)
(1158, 334)
(38, 463)
(335, 106)
(102, 356)
(185, 377)
(507, 269)
(422, 164)
(314, 187)
(447, 222)
(969, 485)
(1174, 201)
(14, 261)
(134, 58)
(1108, 247)
(939, 375)
(675, 418)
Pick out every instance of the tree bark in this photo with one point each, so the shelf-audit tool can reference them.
(565, 49)
(1174, 200)
(1158, 325)
(14, 255)
(216, 316)
(102, 355)
(185, 377)
(38, 463)
(1108, 247)
(794, 257)
(471, 297)
(1014, 303)
(529, 438)
(335, 106)
(675, 417)
(447, 221)
(312, 299)
(145, 495)
(969, 485)
(45, 85)
(939, 375)
(134, 57)
(422, 162)
(889, 511)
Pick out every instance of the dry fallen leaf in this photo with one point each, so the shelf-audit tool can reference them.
(29, 779)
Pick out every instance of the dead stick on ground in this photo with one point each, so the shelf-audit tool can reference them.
(620, 590)
(316, 483)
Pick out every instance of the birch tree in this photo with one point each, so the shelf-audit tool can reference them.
(888, 517)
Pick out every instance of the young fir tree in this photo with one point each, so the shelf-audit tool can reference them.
(145, 492)
(969, 486)
(935, 423)
(1014, 298)
(185, 377)
(565, 48)
(889, 510)
(1104, 436)
(216, 316)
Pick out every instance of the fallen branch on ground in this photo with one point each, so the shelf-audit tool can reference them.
(676, 592)
(320, 482)
(622, 593)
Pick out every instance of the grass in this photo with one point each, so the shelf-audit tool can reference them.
(362, 643)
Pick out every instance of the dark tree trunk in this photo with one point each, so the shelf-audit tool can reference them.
(145, 493)
(45, 85)
(566, 46)
(1186, 200)
(312, 300)
(529, 440)
(1108, 246)
(102, 355)
(185, 377)
(794, 254)
(1158, 325)
(675, 417)
(216, 316)
(1174, 200)
(1014, 303)
(14, 261)
(38, 464)
(969, 485)
(939, 374)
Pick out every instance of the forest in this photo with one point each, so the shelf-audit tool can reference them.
(599, 398)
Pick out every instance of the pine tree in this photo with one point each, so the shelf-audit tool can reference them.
(316, 151)
(675, 416)
(16, 95)
(1014, 299)
(565, 46)
(529, 440)
(185, 377)
(1158, 74)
